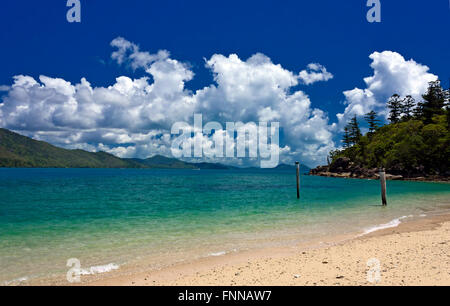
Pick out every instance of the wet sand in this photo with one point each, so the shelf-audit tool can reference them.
(414, 253)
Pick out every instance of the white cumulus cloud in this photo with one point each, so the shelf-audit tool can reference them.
(133, 117)
(314, 73)
(392, 74)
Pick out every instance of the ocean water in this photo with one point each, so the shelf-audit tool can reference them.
(110, 218)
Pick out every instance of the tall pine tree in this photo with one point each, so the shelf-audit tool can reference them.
(448, 117)
(346, 140)
(395, 107)
(408, 105)
(372, 120)
(434, 102)
(447, 108)
(355, 132)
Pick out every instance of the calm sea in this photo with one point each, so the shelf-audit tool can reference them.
(108, 218)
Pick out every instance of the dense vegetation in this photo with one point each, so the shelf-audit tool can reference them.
(416, 142)
(17, 151)
(20, 151)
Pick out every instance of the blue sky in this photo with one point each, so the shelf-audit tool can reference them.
(37, 40)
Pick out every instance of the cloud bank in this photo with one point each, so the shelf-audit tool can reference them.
(133, 117)
(392, 74)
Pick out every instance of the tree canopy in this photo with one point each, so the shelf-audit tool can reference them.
(416, 142)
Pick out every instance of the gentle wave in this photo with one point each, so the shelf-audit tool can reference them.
(217, 254)
(91, 271)
(394, 223)
(99, 269)
(15, 281)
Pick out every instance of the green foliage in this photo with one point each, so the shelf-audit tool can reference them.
(448, 117)
(408, 105)
(17, 151)
(352, 133)
(346, 140)
(417, 142)
(20, 151)
(372, 121)
(434, 102)
(408, 148)
(447, 108)
(395, 106)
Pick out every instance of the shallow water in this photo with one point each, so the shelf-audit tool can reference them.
(110, 217)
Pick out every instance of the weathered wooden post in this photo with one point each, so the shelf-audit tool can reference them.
(298, 179)
(383, 186)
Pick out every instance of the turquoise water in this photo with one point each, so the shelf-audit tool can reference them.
(104, 216)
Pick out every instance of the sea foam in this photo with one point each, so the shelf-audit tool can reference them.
(217, 254)
(394, 223)
(15, 281)
(99, 269)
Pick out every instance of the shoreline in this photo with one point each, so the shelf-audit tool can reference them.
(167, 250)
(389, 177)
(412, 253)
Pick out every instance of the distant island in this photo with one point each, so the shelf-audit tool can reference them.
(18, 151)
(415, 145)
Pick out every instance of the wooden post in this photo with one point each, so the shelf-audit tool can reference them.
(298, 179)
(383, 186)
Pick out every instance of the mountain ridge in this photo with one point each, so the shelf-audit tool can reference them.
(18, 151)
